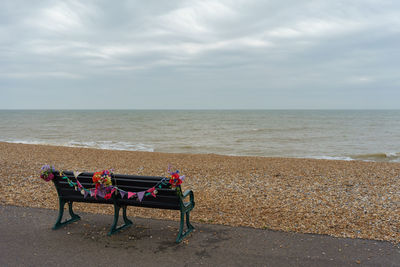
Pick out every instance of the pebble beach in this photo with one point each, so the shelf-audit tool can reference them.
(353, 199)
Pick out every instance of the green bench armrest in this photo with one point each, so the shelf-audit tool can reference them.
(185, 195)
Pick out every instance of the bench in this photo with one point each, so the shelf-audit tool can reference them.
(166, 198)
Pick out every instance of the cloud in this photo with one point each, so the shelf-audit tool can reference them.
(61, 17)
(196, 17)
(183, 46)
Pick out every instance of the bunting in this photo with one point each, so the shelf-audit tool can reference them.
(152, 191)
(140, 195)
(107, 191)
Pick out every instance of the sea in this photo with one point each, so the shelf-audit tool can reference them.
(368, 135)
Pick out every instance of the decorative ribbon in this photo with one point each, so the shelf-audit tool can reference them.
(106, 192)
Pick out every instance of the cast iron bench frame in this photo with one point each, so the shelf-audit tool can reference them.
(166, 198)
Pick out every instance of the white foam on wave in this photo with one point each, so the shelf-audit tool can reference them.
(28, 142)
(332, 158)
(128, 146)
(378, 157)
(109, 145)
(112, 145)
(392, 154)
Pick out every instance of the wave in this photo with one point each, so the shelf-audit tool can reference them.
(28, 142)
(274, 130)
(379, 157)
(108, 145)
(389, 157)
(112, 145)
(332, 158)
(129, 146)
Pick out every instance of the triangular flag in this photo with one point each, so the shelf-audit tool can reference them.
(86, 193)
(101, 193)
(130, 194)
(76, 174)
(141, 195)
(122, 193)
(182, 177)
(152, 191)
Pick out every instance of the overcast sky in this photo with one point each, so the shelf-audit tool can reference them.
(200, 54)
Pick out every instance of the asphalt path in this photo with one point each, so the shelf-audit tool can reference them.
(26, 239)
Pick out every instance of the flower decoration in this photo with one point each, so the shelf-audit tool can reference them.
(103, 184)
(47, 172)
(176, 179)
(102, 178)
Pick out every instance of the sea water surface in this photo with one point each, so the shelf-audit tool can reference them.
(326, 134)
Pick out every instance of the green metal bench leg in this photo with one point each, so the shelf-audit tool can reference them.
(188, 224)
(74, 217)
(182, 234)
(127, 222)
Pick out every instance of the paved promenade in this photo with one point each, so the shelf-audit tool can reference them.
(26, 239)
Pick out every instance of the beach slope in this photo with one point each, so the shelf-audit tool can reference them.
(338, 198)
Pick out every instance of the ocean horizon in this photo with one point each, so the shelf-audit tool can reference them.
(369, 135)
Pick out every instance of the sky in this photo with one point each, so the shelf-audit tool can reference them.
(153, 54)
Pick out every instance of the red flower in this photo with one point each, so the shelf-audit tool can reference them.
(175, 180)
(96, 177)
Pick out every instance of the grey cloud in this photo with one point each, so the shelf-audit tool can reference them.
(201, 54)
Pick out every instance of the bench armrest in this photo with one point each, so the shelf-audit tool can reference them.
(188, 193)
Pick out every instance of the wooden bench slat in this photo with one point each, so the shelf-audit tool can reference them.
(129, 202)
(118, 176)
(168, 200)
(151, 204)
(121, 181)
(161, 191)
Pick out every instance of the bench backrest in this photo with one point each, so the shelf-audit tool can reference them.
(166, 198)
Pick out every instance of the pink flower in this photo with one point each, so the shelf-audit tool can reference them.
(47, 173)
(49, 177)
